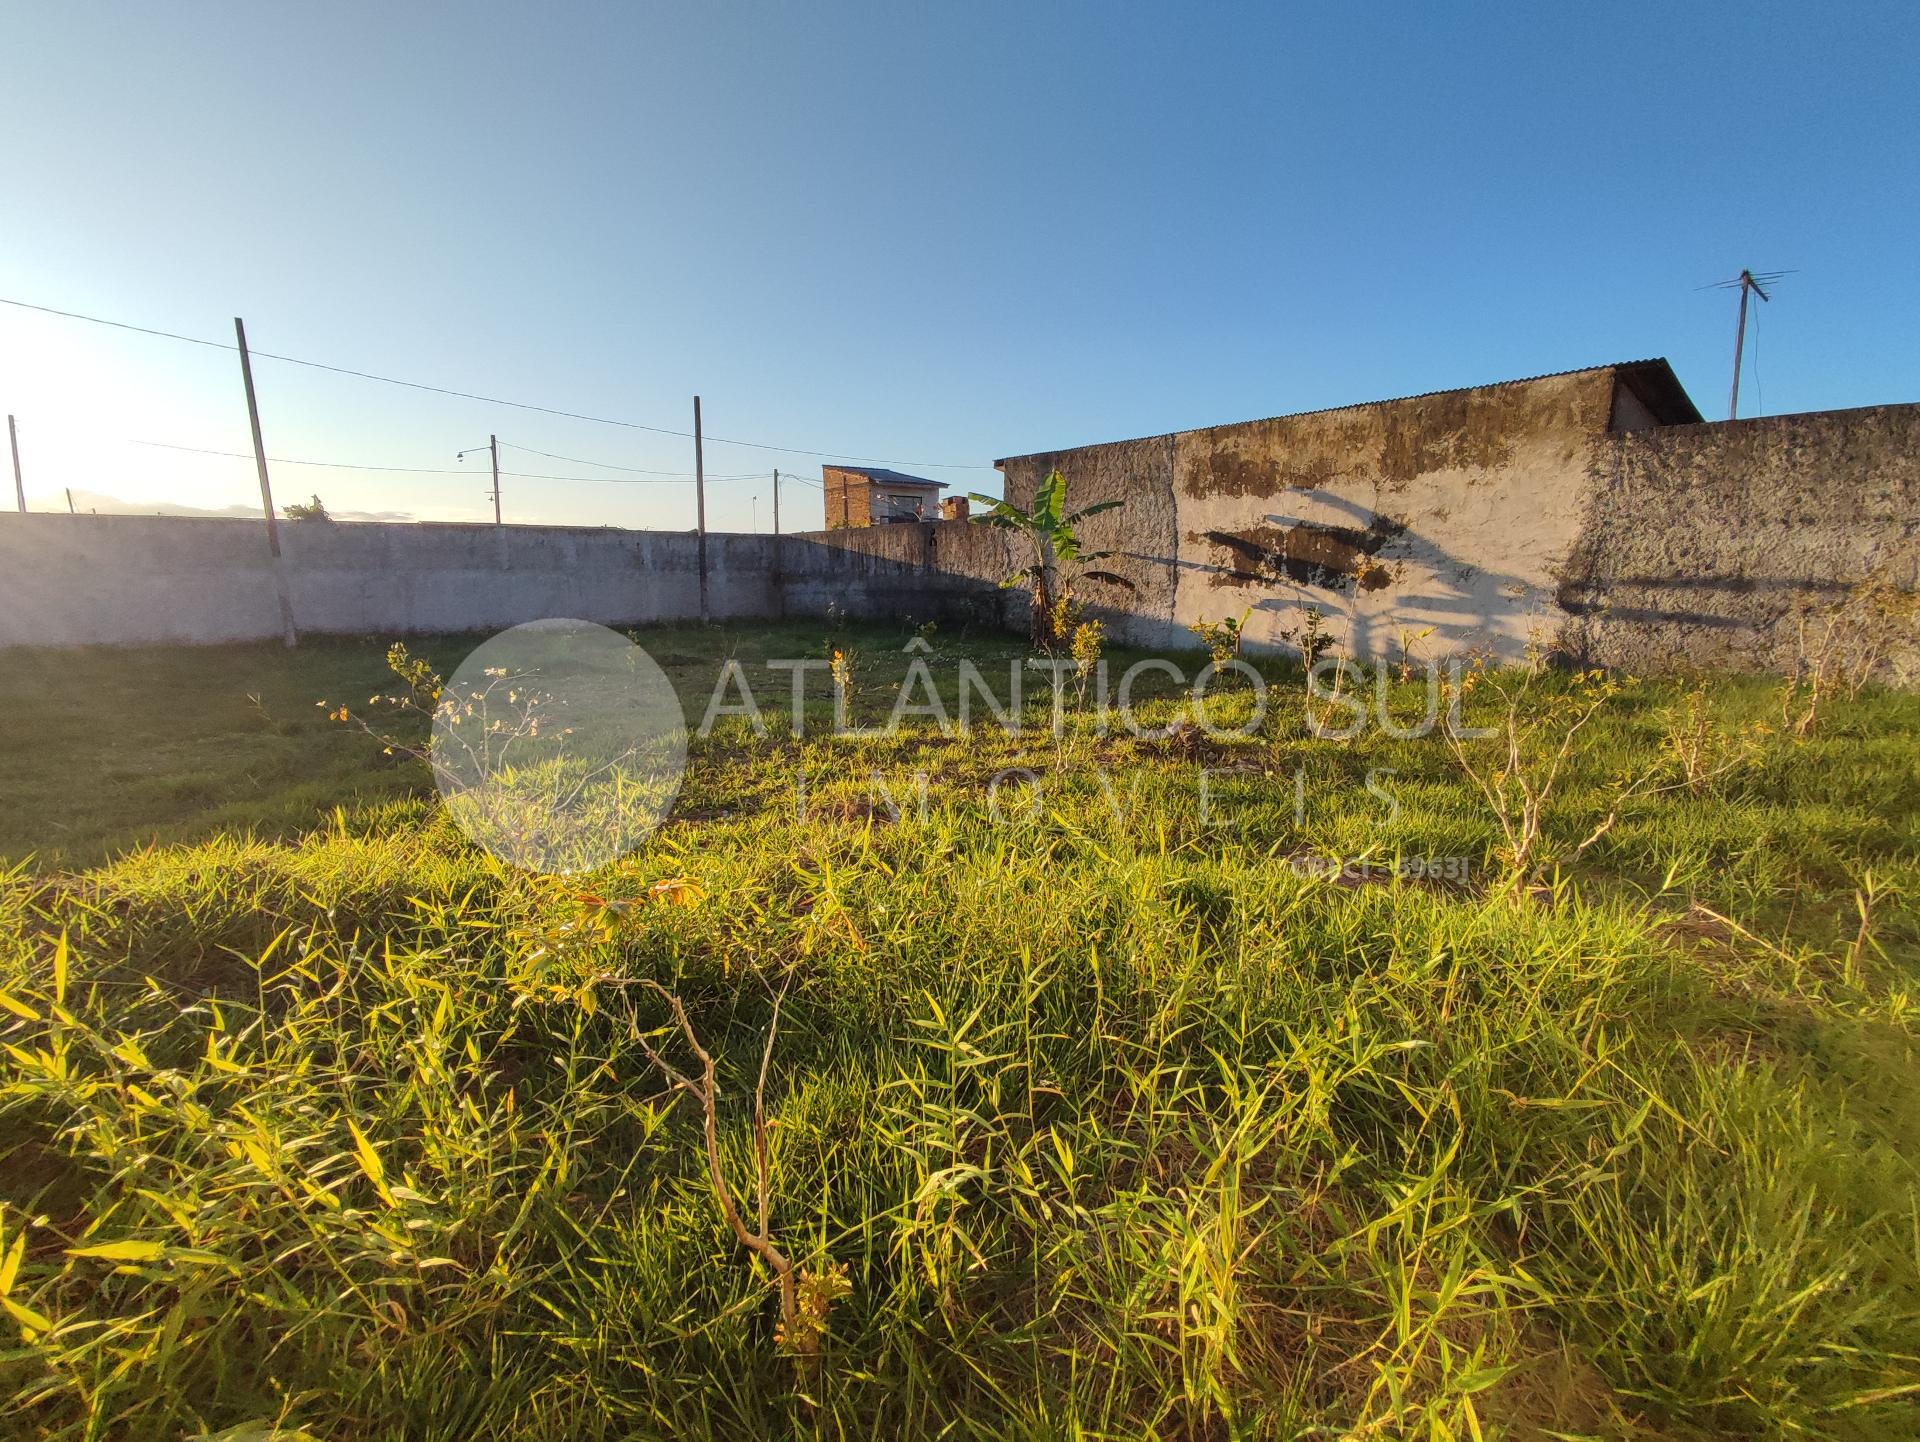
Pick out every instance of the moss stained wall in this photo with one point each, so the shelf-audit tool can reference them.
(1486, 518)
(1702, 545)
(1551, 511)
(1143, 534)
(1448, 513)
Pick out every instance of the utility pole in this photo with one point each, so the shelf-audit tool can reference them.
(259, 446)
(266, 488)
(779, 556)
(19, 487)
(700, 505)
(493, 450)
(1747, 283)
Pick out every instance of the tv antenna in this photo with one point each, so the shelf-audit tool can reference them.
(1746, 283)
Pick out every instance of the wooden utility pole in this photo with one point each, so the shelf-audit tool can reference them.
(700, 506)
(493, 446)
(776, 503)
(266, 487)
(19, 486)
(70, 510)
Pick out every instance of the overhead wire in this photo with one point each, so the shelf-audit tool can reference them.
(472, 471)
(483, 399)
(632, 470)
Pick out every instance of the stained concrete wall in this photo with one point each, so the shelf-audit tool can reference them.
(152, 580)
(1143, 535)
(934, 570)
(1447, 513)
(128, 580)
(1554, 509)
(1702, 545)
(1565, 510)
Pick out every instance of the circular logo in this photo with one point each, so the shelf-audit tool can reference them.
(558, 746)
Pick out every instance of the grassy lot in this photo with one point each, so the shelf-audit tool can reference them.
(1097, 1108)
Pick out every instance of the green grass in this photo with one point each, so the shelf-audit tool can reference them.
(1121, 1125)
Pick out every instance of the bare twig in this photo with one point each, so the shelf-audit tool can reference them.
(706, 1091)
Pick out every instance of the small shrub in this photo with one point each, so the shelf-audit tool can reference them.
(1518, 770)
(1222, 638)
(1701, 747)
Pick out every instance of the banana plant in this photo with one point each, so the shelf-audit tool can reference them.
(1058, 559)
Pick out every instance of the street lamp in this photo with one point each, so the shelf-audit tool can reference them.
(492, 448)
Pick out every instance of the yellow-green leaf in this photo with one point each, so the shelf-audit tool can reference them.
(18, 1008)
(128, 1251)
(370, 1162)
(31, 1322)
(10, 1265)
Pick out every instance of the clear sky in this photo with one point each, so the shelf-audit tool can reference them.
(911, 233)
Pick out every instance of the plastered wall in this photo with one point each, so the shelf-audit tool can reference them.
(1552, 511)
(1491, 518)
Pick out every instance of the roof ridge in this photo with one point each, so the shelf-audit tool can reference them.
(872, 472)
(1628, 365)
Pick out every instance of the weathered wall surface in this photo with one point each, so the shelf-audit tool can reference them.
(129, 580)
(1554, 511)
(1703, 544)
(151, 580)
(1446, 513)
(937, 570)
(1486, 518)
(1143, 534)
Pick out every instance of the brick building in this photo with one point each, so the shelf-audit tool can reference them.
(874, 496)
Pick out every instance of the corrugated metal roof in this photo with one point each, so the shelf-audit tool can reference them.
(886, 477)
(1657, 385)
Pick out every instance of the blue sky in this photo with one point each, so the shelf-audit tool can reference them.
(911, 233)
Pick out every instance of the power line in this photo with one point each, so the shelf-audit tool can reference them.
(606, 465)
(118, 324)
(490, 400)
(438, 471)
(631, 470)
(289, 461)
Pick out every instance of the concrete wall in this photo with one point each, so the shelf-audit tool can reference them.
(936, 570)
(1552, 509)
(1447, 513)
(1701, 544)
(128, 580)
(1558, 510)
(152, 580)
